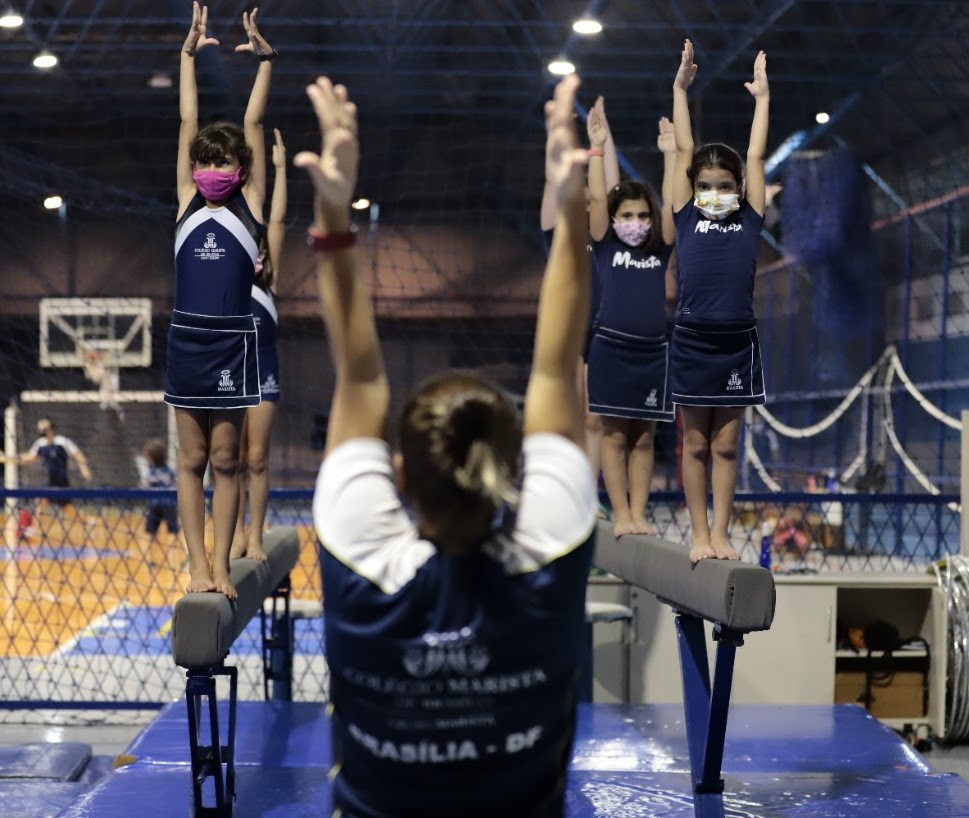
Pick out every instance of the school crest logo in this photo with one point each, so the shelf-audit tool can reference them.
(225, 381)
(210, 250)
(270, 386)
(651, 399)
(448, 652)
(734, 381)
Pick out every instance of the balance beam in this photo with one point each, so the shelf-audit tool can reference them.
(737, 597)
(204, 626)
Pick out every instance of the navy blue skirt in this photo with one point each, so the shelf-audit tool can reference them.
(212, 362)
(716, 365)
(629, 376)
(268, 372)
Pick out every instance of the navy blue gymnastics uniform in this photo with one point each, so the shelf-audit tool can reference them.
(212, 360)
(161, 477)
(453, 678)
(54, 455)
(595, 294)
(267, 322)
(628, 360)
(715, 353)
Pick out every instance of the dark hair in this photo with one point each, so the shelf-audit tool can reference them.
(460, 438)
(266, 277)
(717, 155)
(220, 139)
(630, 190)
(156, 451)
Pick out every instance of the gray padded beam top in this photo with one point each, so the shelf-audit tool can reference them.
(204, 626)
(735, 594)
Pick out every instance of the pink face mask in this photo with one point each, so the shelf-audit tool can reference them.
(215, 185)
(632, 233)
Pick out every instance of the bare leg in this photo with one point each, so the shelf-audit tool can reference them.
(615, 437)
(593, 425)
(696, 458)
(260, 422)
(643, 434)
(724, 441)
(239, 543)
(224, 459)
(193, 448)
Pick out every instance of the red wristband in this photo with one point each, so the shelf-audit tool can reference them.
(325, 242)
(596, 152)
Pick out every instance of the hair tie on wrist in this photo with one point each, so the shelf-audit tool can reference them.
(595, 152)
(269, 56)
(327, 242)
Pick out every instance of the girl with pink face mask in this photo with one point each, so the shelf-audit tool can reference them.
(632, 238)
(213, 372)
(718, 208)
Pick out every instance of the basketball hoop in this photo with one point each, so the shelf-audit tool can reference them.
(99, 370)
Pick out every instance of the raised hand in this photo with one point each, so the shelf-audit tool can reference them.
(759, 88)
(665, 140)
(197, 37)
(687, 70)
(563, 158)
(279, 150)
(256, 44)
(596, 124)
(334, 171)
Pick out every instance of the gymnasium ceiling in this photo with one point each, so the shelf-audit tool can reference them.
(450, 91)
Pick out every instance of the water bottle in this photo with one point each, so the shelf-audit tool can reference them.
(765, 543)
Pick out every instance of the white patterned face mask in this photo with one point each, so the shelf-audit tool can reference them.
(633, 232)
(716, 206)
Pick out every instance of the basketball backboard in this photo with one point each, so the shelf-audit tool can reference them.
(72, 329)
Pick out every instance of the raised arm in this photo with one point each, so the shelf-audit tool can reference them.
(551, 400)
(666, 143)
(682, 128)
(598, 129)
(361, 396)
(756, 189)
(188, 102)
(276, 226)
(255, 187)
(82, 464)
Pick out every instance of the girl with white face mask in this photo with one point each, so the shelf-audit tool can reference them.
(632, 239)
(715, 357)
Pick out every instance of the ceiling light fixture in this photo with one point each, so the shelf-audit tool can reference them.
(561, 68)
(11, 19)
(45, 60)
(361, 204)
(53, 202)
(586, 26)
(160, 80)
(821, 118)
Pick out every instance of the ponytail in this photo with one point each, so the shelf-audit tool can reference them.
(461, 440)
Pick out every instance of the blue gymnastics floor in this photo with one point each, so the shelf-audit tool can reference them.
(629, 761)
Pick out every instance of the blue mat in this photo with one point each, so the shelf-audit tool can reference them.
(628, 761)
(60, 761)
(22, 798)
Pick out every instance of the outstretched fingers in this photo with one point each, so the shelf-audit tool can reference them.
(564, 159)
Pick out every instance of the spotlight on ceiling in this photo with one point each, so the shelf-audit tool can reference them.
(45, 60)
(561, 68)
(587, 26)
(160, 80)
(821, 118)
(10, 19)
(53, 202)
(361, 204)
